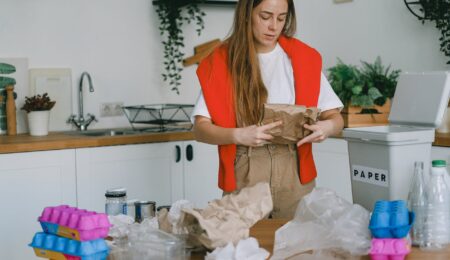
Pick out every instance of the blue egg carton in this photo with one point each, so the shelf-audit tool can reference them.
(49, 246)
(391, 219)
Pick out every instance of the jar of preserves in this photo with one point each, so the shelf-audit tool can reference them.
(116, 201)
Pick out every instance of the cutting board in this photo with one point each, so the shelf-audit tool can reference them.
(57, 82)
(21, 89)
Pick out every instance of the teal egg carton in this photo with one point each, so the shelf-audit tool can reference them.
(56, 247)
(391, 219)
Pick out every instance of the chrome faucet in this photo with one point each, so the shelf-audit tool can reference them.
(81, 123)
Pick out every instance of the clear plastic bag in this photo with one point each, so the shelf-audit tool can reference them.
(324, 222)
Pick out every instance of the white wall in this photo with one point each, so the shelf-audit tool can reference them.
(118, 42)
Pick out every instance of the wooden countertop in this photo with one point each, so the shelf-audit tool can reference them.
(61, 140)
(265, 229)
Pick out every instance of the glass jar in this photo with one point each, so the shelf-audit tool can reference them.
(116, 201)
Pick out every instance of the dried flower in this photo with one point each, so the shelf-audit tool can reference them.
(38, 103)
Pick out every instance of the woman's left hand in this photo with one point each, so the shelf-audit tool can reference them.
(320, 131)
(331, 123)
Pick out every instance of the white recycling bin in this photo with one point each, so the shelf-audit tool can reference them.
(382, 157)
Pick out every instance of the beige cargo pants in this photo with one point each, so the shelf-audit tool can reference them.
(277, 165)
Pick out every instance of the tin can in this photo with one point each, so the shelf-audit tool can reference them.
(144, 209)
(163, 207)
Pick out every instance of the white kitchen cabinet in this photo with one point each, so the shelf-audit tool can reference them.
(29, 182)
(162, 172)
(333, 166)
(200, 172)
(143, 169)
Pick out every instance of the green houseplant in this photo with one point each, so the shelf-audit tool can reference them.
(370, 85)
(172, 14)
(38, 113)
(364, 90)
(437, 11)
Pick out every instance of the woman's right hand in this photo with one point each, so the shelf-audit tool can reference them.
(255, 135)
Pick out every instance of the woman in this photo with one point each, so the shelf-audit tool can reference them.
(261, 63)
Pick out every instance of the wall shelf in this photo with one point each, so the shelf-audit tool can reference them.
(228, 3)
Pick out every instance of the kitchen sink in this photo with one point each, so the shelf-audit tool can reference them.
(104, 132)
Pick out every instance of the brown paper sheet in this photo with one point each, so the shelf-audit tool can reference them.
(230, 218)
(293, 117)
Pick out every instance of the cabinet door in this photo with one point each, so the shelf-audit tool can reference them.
(333, 166)
(144, 170)
(29, 182)
(201, 164)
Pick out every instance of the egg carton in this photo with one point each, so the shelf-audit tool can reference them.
(389, 249)
(391, 219)
(60, 248)
(74, 223)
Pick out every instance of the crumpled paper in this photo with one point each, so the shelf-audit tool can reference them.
(326, 224)
(293, 118)
(246, 249)
(228, 219)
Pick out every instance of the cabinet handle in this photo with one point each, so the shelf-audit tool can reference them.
(189, 152)
(178, 153)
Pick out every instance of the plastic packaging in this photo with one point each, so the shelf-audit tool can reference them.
(436, 226)
(74, 223)
(55, 247)
(149, 243)
(417, 203)
(389, 248)
(390, 219)
(324, 222)
(116, 201)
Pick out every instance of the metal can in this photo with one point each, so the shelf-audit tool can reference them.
(116, 201)
(163, 207)
(144, 209)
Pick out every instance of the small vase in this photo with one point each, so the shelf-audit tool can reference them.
(38, 122)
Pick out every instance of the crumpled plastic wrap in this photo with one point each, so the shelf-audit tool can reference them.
(228, 219)
(328, 225)
(246, 249)
(293, 117)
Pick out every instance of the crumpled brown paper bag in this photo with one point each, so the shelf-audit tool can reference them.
(230, 218)
(293, 117)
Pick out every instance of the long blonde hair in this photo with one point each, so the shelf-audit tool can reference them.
(250, 94)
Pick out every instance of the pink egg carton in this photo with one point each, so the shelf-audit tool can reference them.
(74, 223)
(389, 248)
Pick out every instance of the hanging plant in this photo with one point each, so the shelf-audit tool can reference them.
(172, 15)
(437, 11)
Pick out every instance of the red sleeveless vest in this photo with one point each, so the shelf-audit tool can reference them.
(216, 83)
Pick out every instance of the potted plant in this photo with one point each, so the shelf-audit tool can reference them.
(437, 11)
(172, 15)
(365, 92)
(38, 112)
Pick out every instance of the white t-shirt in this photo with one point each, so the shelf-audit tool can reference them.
(278, 77)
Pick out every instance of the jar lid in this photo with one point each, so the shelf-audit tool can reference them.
(439, 163)
(116, 192)
(144, 202)
(163, 207)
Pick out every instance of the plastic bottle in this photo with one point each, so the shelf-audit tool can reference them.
(417, 203)
(437, 221)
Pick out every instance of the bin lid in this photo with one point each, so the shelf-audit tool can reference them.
(391, 133)
(420, 99)
(418, 107)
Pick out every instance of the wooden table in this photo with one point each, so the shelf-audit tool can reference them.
(265, 229)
